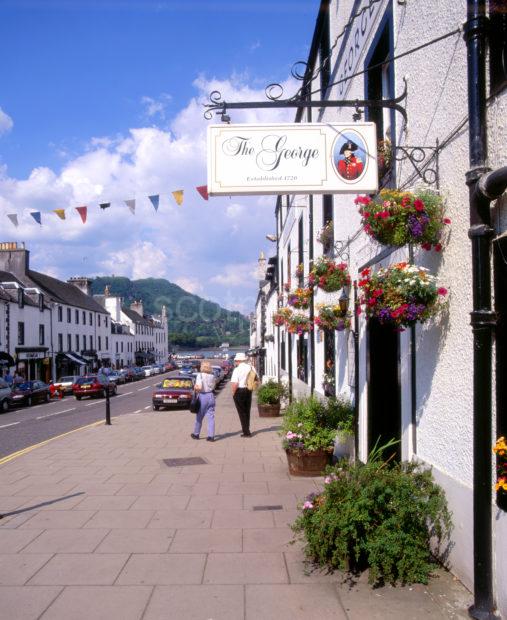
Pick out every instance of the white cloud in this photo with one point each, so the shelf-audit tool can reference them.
(188, 244)
(6, 122)
(156, 107)
(236, 274)
(191, 285)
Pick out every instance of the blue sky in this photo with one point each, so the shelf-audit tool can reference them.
(100, 100)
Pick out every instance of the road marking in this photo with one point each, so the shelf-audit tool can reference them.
(138, 411)
(124, 394)
(14, 455)
(144, 388)
(11, 424)
(148, 407)
(49, 415)
(90, 404)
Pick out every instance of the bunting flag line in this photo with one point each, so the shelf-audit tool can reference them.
(37, 216)
(104, 205)
(154, 201)
(13, 218)
(131, 204)
(203, 190)
(83, 212)
(60, 213)
(178, 196)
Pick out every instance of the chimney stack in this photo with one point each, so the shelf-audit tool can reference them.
(137, 306)
(14, 258)
(83, 283)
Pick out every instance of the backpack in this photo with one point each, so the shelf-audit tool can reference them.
(252, 380)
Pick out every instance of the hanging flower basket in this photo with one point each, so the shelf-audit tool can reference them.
(329, 275)
(331, 316)
(397, 218)
(300, 271)
(281, 316)
(326, 234)
(299, 324)
(500, 449)
(401, 295)
(300, 298)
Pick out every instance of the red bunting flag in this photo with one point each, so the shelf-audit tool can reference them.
(203, 190)
(83, 212)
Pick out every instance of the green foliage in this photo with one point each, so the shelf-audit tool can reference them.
(377, 515)
(312, 424)
(193, 321)
(271, 393)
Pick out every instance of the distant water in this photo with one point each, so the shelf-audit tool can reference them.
(210, 352)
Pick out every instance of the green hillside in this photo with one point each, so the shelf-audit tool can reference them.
(193, 321)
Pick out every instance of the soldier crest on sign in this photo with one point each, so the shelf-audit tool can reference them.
(349, 156)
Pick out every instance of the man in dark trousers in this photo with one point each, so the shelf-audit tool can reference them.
(241, 394)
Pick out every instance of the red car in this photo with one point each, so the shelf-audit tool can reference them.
(173, 392)
(93, 385)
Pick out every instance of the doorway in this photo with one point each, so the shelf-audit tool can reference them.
(384, 402)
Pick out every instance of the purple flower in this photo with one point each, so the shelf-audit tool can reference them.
(417, 224)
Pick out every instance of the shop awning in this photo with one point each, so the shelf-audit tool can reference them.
(76, 358)
(6, 359)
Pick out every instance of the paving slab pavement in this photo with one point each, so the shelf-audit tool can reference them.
(98, 526)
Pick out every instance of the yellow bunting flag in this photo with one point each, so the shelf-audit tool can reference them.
(60, 213)
(178, 196)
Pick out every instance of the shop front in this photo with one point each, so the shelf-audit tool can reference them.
(33, 363)
(70, 364)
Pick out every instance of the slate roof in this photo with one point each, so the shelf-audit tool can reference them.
(135, 317)
(65, 293)
(12, 294)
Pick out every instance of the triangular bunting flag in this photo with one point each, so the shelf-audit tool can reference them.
(37, 216)
(203, 190)
(83, 212)
(154, 201)
(13, 218)
(131, 204)
(178, 196)
(104, 205)
(60, 213)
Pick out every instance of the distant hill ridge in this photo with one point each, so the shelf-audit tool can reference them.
(193, 321)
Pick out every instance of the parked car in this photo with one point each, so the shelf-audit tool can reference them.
(93, 385)
(29, 393)
(219, 373)
(65, 383)
(148, 371)
(5, 393)
(168, 366)
(138, 373)
(128, 374)
(117, 377)
(173, 392)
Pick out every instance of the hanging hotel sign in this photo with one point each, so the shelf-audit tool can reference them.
(292, 158)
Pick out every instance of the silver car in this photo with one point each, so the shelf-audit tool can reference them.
(5, 392)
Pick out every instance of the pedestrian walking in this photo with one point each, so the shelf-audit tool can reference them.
(241, 394)
(204, 386)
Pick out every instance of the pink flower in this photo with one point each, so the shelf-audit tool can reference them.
(418, 205)
(447, 220)
(307, 506)
(442, 291)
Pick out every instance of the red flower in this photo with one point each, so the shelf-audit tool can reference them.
(426, 246)
(442, 291)
(447, 220)
(363, 282)
(438, 247)
(405, 200)
(377, 293)
(366, 214)
(418, 205)
(358, 310)
(322, 281)
(384, 214)
(365, 272)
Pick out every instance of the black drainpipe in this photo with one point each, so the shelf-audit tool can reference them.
(483, 188)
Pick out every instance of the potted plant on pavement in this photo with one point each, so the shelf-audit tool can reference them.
(388, 517)
(269, 396)
(310, 428)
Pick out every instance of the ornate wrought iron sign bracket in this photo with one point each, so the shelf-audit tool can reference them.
(420, 157)
(274, 94)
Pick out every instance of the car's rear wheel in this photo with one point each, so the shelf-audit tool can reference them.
(78, 397)
(47, 397)
(115, 390)
(29, 401)
(4, 406)
(156, 407)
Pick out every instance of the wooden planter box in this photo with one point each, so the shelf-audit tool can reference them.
(268, 411)
(303, 463)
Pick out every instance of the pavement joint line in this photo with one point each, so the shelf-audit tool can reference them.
(50, 415)
(11, 424)
(14, 455)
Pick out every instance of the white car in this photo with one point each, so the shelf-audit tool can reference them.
(148, 371)
(5, 392)
(66, 383)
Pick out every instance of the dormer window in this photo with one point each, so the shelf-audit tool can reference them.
(21, 298)
(41, 302)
